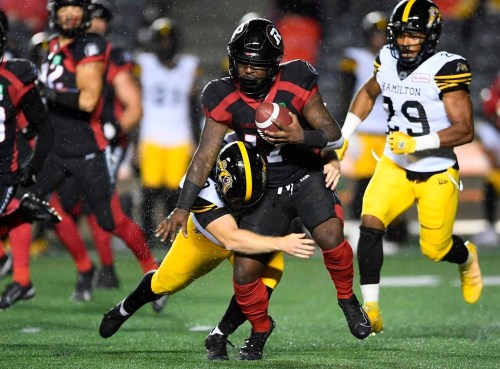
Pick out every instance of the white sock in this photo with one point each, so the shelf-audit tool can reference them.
(216, 330)
(122, 310)
(370, 292)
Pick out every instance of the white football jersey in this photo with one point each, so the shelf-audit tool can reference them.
(376, 121)
(208, 193)
(413, 103)
(166, 95)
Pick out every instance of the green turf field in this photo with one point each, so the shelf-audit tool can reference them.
(425, 327)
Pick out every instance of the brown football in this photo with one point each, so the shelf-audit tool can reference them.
(265, 114)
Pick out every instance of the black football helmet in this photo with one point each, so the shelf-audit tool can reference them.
(240, 175)
(102, 9)
(256, 42)
(374, 22)
(164, 38)
(54, 5)
(421, 16)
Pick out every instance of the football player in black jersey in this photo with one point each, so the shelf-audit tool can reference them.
(73, 77)
(296, 184)
(19, 96)
(237, 183)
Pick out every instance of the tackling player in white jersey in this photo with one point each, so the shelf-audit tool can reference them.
(426, 96)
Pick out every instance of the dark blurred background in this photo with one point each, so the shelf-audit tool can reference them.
(471, 29)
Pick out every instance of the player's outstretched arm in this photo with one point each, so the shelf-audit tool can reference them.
(226, 231)
(203, 160)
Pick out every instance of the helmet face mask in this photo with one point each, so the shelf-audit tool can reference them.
(257, 43)
(240, 175)
(54, 5)
(415, 17)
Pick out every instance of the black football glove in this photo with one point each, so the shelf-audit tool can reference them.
(26, 176)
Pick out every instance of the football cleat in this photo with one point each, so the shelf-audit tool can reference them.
(32, 209)
(107, 278)
(112, 321)
(470, 276)
(254, 345)
(83, 289)
(357, 320)
(216, 345)
(15, 292)
(373, 312)
(5, 265)
(159, 304)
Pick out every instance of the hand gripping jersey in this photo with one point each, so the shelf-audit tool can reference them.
(375, 122)
(17, 77)
(77, 133)
(413, 101)
(166, 99)
(295, 84)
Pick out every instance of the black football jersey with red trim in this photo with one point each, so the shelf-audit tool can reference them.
(17, 77)
(77, 133)
(293, 87)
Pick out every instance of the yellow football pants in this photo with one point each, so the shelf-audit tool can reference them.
(163, 166)
(390, 193)
(191, 258)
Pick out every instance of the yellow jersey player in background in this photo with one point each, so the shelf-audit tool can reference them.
(426, 96)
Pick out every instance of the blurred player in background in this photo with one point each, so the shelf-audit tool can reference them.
(170, 124)
(489, 136)
(19, 96)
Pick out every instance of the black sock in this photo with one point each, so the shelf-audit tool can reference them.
(370, 255)
(458, 253)
(141, 295)
(234, 317)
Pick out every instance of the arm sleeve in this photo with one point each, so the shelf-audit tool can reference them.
(32, 106)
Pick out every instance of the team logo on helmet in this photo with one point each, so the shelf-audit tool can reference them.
(224, 177)
(434, 16)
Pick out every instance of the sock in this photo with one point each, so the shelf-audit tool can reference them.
(370, 255)
(20, 239)
(102, 241)
(232, 319)
(339, 263)
(458, 254)
(67, 232)
(141, 295)
(133, 236)
(370, 292)
(254, 302)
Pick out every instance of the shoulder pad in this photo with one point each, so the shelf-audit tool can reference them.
(121, 56)
(89, 45)
(454, 75)
(300, 73)
(215, 91)
(23, 69)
